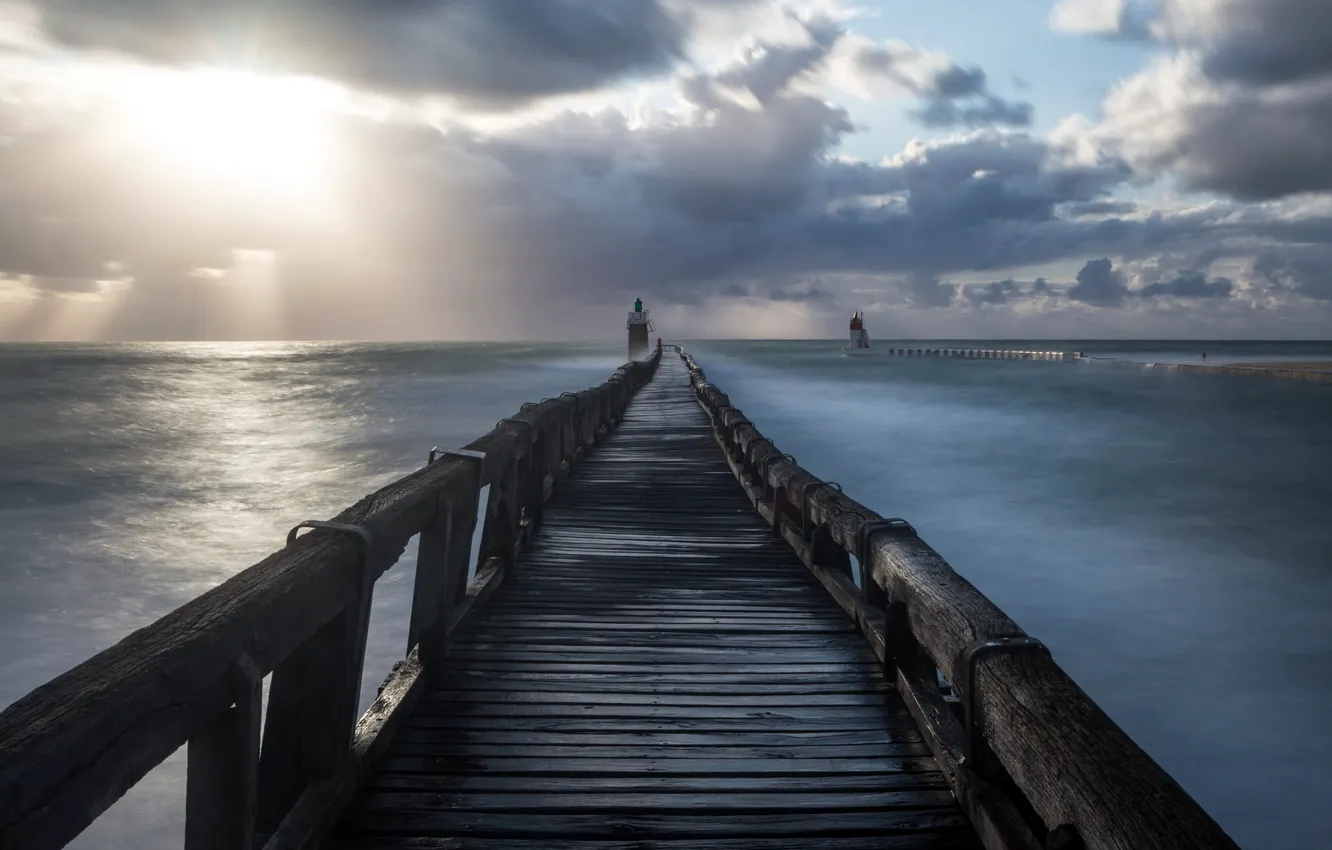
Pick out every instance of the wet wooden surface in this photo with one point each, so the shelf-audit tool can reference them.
(659, 673)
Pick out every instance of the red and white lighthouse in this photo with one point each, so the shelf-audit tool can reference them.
(859, 336)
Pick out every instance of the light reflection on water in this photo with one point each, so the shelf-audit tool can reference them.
(1166, 535)
(135, 477)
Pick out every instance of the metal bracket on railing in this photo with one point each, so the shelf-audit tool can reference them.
(364, 542)
(966, 665)
(805, 529)
(437, 452)
(531, 430)
(866, 533)
(767, 462)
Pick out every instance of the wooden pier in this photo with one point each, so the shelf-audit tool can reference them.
(666, 647)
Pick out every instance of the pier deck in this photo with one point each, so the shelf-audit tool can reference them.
(660, 667)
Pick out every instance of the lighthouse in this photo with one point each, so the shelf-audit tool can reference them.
(859, 336)
(639, 326)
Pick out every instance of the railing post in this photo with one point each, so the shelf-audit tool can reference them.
(442, 559)
(312, 706)
(499, 539)
(222, 772)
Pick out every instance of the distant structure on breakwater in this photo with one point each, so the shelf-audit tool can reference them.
(979, 353)
(1255, 371)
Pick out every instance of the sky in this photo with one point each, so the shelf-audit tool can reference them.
(523, 169)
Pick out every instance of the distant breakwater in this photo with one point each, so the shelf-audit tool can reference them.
(1307, 375)
(977, 353)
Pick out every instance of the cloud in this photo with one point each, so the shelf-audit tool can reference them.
(1129, 19)
(954, 95)
(997, 292)
(925, 290)
(1305, 270)
(495, 52)
(1099, 284)
(808, 295)
(1190, 284)
(1241, 103)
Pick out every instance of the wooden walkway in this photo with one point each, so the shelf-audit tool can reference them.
(660, 672)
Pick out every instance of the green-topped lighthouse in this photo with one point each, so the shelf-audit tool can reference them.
(639, 326)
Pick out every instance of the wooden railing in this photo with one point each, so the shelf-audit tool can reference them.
(1034, 762)
(75, 745)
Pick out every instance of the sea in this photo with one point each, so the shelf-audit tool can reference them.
(1168, 536)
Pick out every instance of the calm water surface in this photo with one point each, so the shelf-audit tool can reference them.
(1167, 535)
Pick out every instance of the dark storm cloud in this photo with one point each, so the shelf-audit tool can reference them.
(491, 51)
(925, 290)
(1268, 42)
(1256, 148)
(1099, 284)
(986, 112)
(1100, 208)
(1304, 270)
(1190, 284)
(1245, 108)
(812, 294)
(998, 292)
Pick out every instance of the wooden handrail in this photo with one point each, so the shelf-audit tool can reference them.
(72, 747)
(1086, 780)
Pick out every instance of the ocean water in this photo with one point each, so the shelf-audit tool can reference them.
(1167, 535)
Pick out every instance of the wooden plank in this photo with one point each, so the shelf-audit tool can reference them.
(666, 723)
(423, 745)
(660, 766)
(955, 840)
(698, 687)
(617, 803)
(790, 740)
(443, 699)
(595, 826)
(644, 783)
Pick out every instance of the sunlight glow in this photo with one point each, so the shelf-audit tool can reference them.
(236, 129)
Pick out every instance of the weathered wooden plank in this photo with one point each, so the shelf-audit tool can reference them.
(444, 700)
(672, 713)
(620, 802)
(955, 840)
(799, 826)
(472, 682)
(666, 723)
(414, 744)
(683, 767)
(793, 740)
